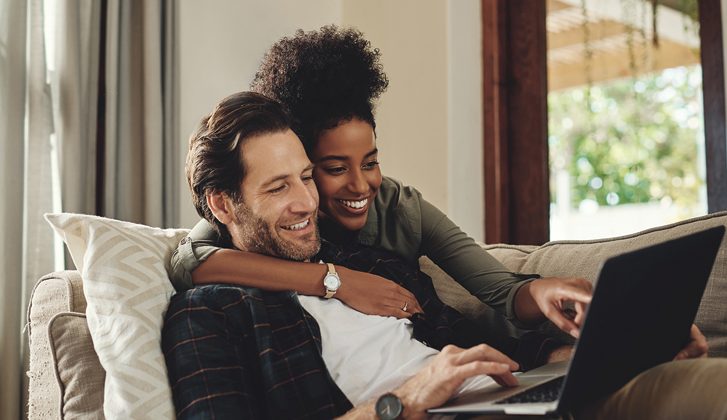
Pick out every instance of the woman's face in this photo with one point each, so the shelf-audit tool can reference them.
(347, 172)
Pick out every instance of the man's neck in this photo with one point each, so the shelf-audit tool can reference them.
(335, 234)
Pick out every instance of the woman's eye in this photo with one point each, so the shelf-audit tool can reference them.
(336, 170)
(371, 165)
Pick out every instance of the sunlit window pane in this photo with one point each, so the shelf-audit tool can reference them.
(625, 119)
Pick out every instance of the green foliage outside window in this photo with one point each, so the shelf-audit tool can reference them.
(632, 140)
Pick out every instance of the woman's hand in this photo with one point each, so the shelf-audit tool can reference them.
(552, 297)
(375, 295)
(697, 346)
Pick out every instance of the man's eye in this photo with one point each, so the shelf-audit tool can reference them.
(277, 189)
(307, 178)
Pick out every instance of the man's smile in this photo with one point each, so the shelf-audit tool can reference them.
(297, 226)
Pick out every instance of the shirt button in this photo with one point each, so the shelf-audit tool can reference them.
(184, 241)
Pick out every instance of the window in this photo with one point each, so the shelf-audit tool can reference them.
(626, 132)
(515, 87)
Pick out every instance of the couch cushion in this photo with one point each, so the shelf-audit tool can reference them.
(124, 269)
(54, 293)
(76, 366)
(583, 259)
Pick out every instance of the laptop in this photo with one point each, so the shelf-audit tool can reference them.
(642, 309)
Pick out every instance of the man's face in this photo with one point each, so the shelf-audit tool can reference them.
(277, 215)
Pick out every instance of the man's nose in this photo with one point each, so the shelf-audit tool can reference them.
(305, 199)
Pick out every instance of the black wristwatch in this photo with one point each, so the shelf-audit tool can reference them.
(389, 407)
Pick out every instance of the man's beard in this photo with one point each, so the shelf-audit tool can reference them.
(255, 235)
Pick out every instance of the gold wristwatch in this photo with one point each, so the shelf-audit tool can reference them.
(331, 281)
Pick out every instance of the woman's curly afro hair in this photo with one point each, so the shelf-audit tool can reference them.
(323, 77)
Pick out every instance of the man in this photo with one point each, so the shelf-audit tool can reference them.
(243, 352)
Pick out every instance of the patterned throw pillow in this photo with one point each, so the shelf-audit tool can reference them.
(124, 270)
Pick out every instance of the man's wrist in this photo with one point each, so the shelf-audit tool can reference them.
(411, 409)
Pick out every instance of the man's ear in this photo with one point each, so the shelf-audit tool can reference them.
(221, 206)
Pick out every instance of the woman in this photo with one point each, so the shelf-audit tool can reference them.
(328, 79)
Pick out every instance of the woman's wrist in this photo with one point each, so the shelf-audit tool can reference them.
(526, 308)
(343, 274)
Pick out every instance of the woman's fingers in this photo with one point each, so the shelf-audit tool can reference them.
(409, 301)
(697, 346)
(403, 301)
(552, 295)
(580, 313)
(556, 317)
(573, 293)
(375, 295)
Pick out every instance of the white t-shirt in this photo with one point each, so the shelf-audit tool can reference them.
(369, 355)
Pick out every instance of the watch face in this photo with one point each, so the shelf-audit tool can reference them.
(388, 407)
(331, 282)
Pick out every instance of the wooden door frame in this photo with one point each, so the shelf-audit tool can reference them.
(715, 136)
(515, 146)
(515, 94)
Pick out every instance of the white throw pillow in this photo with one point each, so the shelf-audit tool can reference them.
(124, 270)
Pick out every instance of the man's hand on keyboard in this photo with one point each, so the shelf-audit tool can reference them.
(436, 383)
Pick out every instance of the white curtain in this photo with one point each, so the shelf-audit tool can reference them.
(140, 177)
(75, 91)
(12, 106)
(135, 146)
(27, 179)
(113, 63)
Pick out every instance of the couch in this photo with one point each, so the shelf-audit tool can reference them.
(67, 378)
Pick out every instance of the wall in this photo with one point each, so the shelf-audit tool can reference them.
(220, 44)
(465, 131)
(429, 120)
(412, 115)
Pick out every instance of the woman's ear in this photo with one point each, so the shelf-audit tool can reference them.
(221, 206)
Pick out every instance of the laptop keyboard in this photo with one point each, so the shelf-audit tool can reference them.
(546, 392)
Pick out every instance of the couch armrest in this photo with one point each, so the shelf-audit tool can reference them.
(54, 293)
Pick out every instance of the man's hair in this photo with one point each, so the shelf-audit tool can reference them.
(323, 78)
(215, 161)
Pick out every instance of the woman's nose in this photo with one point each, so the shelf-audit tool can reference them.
(357, 183)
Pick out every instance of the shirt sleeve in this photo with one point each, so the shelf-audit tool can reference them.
(192, 251)
(470, 265)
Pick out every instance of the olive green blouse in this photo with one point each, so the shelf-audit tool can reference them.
(402, 222)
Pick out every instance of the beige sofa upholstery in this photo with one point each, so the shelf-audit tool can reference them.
(66, 378)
